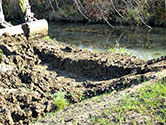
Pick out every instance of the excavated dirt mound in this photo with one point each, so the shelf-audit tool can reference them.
(30, 71)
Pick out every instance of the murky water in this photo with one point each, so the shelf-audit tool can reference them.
(140, 42)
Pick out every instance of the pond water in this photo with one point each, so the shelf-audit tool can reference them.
(140, 42)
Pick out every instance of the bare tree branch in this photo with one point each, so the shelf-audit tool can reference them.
(115, 8)
(79, 9)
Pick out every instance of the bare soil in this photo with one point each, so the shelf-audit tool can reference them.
(30, 71)
(86, 111)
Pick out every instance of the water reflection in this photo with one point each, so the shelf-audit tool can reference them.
(140, 42)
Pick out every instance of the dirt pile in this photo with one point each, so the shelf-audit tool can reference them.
(21, 97)
(33, 70)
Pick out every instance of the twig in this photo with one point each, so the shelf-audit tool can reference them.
(104, 17)
(79, 9)
(115, 8)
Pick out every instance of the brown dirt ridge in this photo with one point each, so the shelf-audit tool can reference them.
(30, 71)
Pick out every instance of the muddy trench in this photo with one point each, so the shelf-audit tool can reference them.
(31, 71)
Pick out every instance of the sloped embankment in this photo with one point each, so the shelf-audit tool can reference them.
(117, 107)
(32, 71)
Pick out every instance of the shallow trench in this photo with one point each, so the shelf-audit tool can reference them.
(42, 67)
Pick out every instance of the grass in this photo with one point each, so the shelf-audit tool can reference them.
(20, 67)
(49, 38)
(1, 55)
(149, 103)
(1, 51)
(60, 100)
(119, 50)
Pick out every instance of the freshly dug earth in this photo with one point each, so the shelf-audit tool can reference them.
(31, 71)
(87, 111)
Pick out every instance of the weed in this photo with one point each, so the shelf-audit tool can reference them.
(49, 38)
(124, 82)
(100, 120)
(82, 97)
(95, 92)
(71, 96)
(148, 120)
(60, 100)
(1, 51)
(29, 90)
(20, 67)
(119, 50)
(1, 55)
(139, 80)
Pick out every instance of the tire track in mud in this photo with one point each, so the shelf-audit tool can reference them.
(41, 68)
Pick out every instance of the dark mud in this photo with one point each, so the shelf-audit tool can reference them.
(31, 71)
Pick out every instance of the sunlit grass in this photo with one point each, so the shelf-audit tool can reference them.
(49, 38)
(60, 100)
(149, 102)
(119, 50)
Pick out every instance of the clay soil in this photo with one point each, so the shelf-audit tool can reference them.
(31, 71)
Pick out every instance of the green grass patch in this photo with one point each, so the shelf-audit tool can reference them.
(149, 104)
(119, 50)
(49, 38)
(60, 100)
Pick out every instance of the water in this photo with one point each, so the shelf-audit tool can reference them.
(140, 42)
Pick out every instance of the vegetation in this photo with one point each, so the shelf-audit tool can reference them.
(148, 103)
(1, 55)
(118, 50)
(131, 12)
(61, 102)
(48, 38)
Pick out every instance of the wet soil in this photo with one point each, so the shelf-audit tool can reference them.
(85, 112)
(31, 71)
